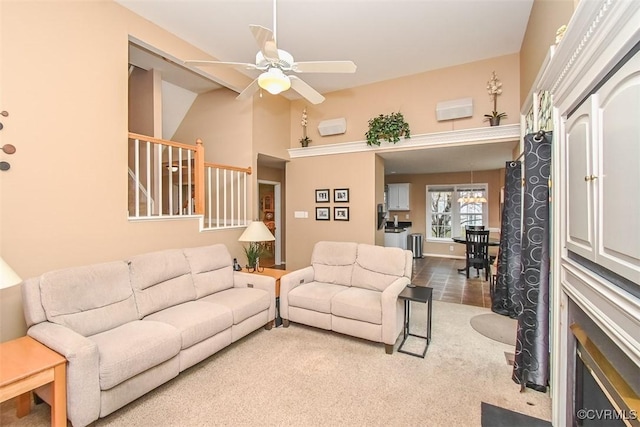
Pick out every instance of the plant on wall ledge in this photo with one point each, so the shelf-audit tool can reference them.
(494, 88)
(305, 140)
(387, 127)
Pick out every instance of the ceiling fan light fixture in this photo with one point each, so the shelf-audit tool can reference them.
(274, 81)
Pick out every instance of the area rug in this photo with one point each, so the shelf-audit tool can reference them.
(494, 416)
(495, 326)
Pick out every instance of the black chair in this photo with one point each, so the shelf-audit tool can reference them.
(474, 227)
(477, 242)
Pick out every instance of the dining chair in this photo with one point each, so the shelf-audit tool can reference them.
(477, 245)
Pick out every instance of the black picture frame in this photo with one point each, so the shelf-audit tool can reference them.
(323, 213)
(322, 195)
(340, 213)
(341, 195)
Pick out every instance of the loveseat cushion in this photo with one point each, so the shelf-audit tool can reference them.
(160, 280)
(358, 304)
(133, 348)
(243, 302)
(211, 267)
(333, 262)
(89, 299)
(196, 320)
(376, 267)
(314, 296)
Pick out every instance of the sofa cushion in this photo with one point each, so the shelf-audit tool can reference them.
(133, 348)
(358, 304)
(196, 320)
(333, 262)
(376, 267)
(89, 299)
(211, 267)
(314, 296)
(160, 280)
(243, 302)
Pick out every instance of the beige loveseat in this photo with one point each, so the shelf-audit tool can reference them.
(349, 288)
(127, 327)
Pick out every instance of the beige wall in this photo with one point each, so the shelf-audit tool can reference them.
(545, 19)
(64, 201)
(353, 171)
(416, 97)
(418, 202)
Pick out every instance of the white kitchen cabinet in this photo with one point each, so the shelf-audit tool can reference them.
(398, 197)
(602, 172)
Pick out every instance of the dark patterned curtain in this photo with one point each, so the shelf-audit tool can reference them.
(531, 366)
(509, 259)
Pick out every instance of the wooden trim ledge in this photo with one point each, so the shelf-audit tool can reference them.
(485, 135)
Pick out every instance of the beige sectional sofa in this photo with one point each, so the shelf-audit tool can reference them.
(127, 327)
(349, 288)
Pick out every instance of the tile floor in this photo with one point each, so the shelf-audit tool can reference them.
(448, 284)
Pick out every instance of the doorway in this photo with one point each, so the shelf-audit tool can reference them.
(270, 212)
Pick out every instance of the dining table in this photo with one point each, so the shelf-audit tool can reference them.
(463, 240)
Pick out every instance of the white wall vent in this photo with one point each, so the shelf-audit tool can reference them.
(332, 127)
(455, 109)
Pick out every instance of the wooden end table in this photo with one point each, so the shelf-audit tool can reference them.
(276, 274)
(26, 364)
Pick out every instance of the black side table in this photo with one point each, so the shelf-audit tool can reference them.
(417, 294)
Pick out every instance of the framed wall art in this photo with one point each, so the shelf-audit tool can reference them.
(322, 214)
(322, 196)
(341, 195)
(340, 214)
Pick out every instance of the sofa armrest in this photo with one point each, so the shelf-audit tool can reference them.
(266, 283)
(392, 314)
(290, 281)
(83, 370)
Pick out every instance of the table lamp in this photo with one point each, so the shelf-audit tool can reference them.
(8, 277)
(255, 233)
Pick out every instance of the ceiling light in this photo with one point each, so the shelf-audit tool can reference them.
(274, 81)
(472, 196)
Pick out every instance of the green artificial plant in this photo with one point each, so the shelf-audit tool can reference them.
(253, 252)
(387, 127)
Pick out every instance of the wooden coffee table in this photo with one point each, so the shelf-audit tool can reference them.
(25, 365)
(276, 274)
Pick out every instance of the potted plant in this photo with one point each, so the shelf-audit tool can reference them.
(387, 127)
(494, 88)
(253, 252)
(305, 140)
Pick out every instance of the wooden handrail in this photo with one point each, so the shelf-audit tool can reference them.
(162, 141)
(229, 168)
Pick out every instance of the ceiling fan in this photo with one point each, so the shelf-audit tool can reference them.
(275, 63)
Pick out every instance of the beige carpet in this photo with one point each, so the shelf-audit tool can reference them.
(302, 376)
(497, 327)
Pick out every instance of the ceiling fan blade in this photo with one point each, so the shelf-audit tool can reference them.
(305, 90)
(266, 42)
(324, 67)
(249, 91)
(239, 65)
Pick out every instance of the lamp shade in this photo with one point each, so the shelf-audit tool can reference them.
(274, 81)
(8, 277)
(256, 232)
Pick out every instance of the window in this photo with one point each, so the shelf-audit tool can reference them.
(447, 217)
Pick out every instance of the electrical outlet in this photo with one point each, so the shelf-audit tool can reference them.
(450, 248)
(406, 216)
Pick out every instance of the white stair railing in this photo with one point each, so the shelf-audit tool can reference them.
(170, 182)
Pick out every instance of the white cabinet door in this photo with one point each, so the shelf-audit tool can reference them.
(398, 197)
(618, 180)
(578, 143)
